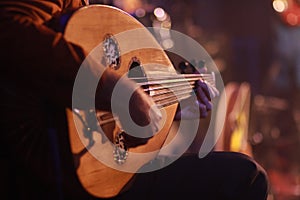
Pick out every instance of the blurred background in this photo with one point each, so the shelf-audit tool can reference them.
(256, 47)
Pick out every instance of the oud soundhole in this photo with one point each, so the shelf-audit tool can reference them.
(137, 73)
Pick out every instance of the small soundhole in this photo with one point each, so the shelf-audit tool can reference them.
(137, 73)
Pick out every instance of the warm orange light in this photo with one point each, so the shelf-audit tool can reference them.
(292, 19)
(128, 5)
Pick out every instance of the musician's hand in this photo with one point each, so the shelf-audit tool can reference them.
(199, 105)
(142, 109)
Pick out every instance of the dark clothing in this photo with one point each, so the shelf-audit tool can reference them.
(38, 68)
(219, 175)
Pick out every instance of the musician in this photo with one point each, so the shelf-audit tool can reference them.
(38, 72)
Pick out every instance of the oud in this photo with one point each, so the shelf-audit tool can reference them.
(104, 167)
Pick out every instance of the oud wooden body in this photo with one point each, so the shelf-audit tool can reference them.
(88, 27)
